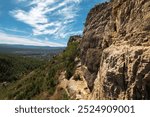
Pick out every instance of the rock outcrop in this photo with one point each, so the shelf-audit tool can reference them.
(75, 38)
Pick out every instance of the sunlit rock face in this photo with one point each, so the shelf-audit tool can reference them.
(115, 50)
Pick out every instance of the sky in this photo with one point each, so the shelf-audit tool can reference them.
(42, 22)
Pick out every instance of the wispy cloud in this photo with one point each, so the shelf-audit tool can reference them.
(49, 17)
(13, 30)
(13, 39)
(21, 0)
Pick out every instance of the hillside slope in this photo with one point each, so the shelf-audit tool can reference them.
(40, 82)
(14, 66)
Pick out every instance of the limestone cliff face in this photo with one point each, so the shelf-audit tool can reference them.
(114, 61)
(115, 50)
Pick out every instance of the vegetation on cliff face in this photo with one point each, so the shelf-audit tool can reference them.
(41, 82)
(69, 56)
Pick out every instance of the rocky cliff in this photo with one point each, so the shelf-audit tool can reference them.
(114, 60)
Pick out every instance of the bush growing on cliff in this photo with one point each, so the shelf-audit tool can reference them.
(69, 55)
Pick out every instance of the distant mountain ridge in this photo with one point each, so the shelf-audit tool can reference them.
(28, 46)
(45, 52)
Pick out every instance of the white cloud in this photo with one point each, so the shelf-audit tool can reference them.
(21, 0)
(49, 17)
(13, 39)
(68, 13)
(14, 30)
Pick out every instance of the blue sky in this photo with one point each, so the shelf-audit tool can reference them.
(42, 22)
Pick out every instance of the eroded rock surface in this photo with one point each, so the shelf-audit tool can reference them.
(116, 50)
